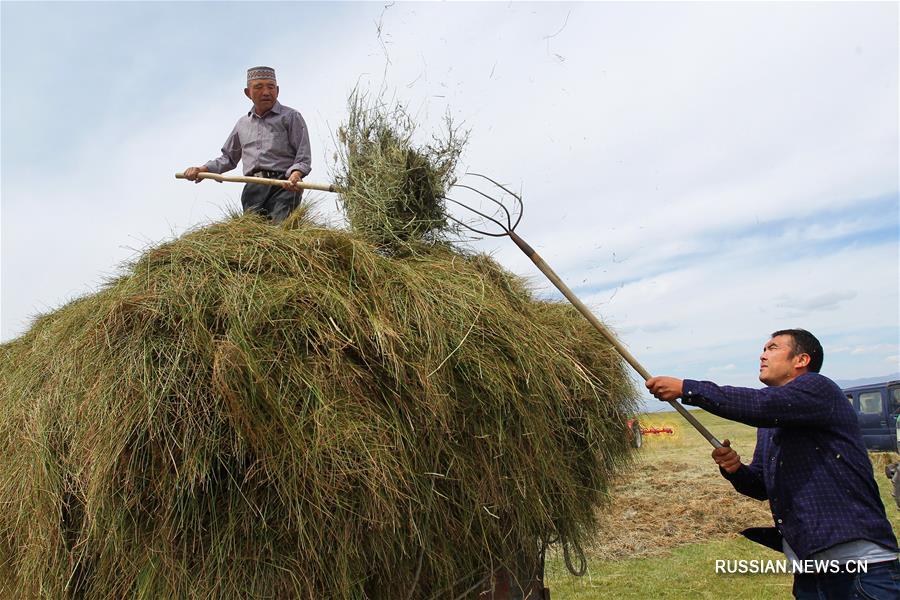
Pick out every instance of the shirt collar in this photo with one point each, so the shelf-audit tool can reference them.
(276, 108)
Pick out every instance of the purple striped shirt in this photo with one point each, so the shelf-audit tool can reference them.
(810, 462)
(277, 141)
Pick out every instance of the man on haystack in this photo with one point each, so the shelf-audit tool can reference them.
(272, 141)
(810, 463)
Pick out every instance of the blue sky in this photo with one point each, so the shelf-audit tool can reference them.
(701, 173)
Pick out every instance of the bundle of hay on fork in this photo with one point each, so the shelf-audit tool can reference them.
(393, 190)
(258, 411)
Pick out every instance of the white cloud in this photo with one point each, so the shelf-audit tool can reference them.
(874, 349)
(823, 301)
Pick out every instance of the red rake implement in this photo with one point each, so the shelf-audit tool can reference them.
(506, 228)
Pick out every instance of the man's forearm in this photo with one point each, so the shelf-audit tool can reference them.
(300, 140)
(746, 482)
(231, 154)
(768, 407)
(220, 165)
(302, 161)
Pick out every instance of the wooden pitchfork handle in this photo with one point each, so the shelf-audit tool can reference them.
(622, 350)
(322, 187)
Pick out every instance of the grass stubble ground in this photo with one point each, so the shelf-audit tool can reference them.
(672, 516)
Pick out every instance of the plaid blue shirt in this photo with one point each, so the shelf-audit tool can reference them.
(810, 462)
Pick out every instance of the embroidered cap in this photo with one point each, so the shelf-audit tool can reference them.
(260, 73)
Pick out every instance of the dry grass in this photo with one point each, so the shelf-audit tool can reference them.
(675, 496)
(287, 412)
(394, 185)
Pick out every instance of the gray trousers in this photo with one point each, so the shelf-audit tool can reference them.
(269, 201)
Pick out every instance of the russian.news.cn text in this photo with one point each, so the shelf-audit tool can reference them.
(792, 567)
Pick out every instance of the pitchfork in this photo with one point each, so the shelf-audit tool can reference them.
(508, 229)
(505, 229)
(322, 187)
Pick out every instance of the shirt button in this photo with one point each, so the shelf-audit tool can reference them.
(838, 456)
(779, 521)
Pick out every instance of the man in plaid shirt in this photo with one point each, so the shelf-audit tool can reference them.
(810, 463)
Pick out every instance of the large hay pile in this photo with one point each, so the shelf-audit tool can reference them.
(278, 412)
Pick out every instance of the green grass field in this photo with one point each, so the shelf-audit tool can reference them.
(667, 526)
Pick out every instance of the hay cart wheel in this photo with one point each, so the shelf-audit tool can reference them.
(637, 437)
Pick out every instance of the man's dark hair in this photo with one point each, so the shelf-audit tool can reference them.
(805, 343)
